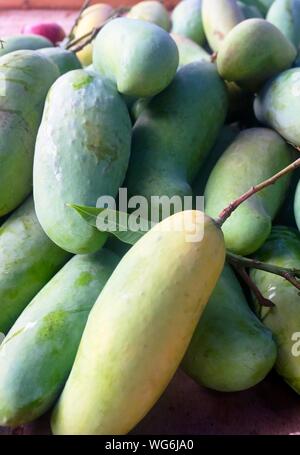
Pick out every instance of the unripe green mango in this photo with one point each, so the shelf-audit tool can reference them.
(254, 51)
(249, 11)
(28, 259)
(281, 249)
(82, 153)
(151, 11)
(37, 354)
(25, 78)
(187, 20)
(219, 17)
(262, 5)
(64, 59)
(23, 42)
(227, 135)
(231, 350)
(278, 105)
(140, 57)
(255, 155)
(139, 329)
(175, 131)
(297, 205)
(189, 51)
(285, 14)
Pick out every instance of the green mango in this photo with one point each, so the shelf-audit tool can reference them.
(281, 249)
(23, 42)
(82, 153)
(297, 204)
(37, 354)
(253, 52)
(278, 106)
(227, 135)
(152, 11)
(249, 11)
(187, 20)
(25, 78)
(189, 51)
(140, 327)
(140, 57)
(285, 14)
(138, 107)
(231, 350)
(262, 5)
(28, 259)
(219, 17)
(64, 59)
(174, 133)
(255, 155)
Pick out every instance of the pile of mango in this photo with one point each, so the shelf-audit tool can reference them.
(204, 100)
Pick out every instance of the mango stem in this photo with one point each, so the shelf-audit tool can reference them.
(291, 275)
(84, 6)
(227, 212)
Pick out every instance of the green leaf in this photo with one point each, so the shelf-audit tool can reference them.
(116, 223)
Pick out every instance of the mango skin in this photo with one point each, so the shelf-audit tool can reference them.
(282, 249)
(262, 5)
(249, 11)
(25, 78)
(189, 51)
(82, 153)
(151, 11)
(285, 14)
(297, 204)
(231, 350)
(227, 135)
(255, 155)
(187, 20)
(253, 52)
(219, 17)
(138, 330)
(64, 59)
(94, 16)
(23, 42)
(195, 104)
(36, 356)
(140, 57)
(278, 105)
(28, 260)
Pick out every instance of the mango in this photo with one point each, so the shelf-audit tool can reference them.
(226, 136)
(255, 155)
(249, 11)
(187, 20)
(64, 59)
(297, 203)
(93, 17)
(139, 329)
(140, 57)
(25, 78)
(23, 42)
(28, 260)
(219, 17)
(262, 5)
(278, 105)
(282, 249)
(174, 133)
(285, 14)
(189, 51)
(151, 11)
(82, 153)
(37, 354)
(253, 52)
(231, 350)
